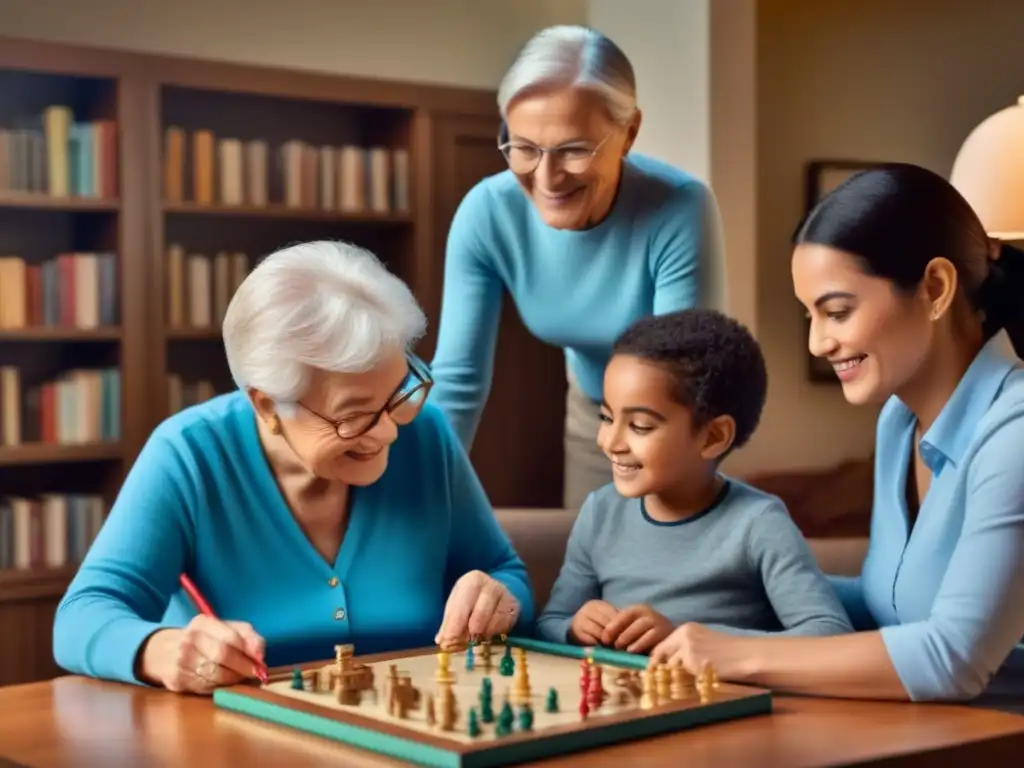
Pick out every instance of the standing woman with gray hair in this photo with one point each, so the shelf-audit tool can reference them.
(585, 236)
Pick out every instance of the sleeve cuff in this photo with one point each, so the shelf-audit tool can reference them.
(554, 630)
(117, 649)
(921, 664)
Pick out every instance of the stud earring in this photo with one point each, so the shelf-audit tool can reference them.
(275, 425)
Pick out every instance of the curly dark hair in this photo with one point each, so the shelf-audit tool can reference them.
(717, 364)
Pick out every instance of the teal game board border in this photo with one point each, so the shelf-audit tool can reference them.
(514, 748)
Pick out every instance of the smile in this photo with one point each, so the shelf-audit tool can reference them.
(356, 456)
(847, 369)
(563, 197)
(624, 469)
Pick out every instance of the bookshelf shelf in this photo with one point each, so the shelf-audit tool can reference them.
(57, 334)
(194, 334)
(59, 203)
(47, 453)
(34, 583)
(284, 212)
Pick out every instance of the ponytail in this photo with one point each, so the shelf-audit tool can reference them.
(1002, 297)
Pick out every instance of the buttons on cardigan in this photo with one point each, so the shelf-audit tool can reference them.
(333, 581)
(339, 614)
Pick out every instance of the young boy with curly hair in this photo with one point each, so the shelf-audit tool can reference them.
(672, 540)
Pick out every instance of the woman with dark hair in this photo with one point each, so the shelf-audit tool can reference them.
(906, 293)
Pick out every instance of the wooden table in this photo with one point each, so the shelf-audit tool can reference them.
(73, 721)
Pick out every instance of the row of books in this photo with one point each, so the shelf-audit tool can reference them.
(183, 394)
(52, 153)
(200, 286)
(78, 406)
(70, 290)
(48, 531)
(230, 171)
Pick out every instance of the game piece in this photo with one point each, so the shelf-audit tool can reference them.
(418, 719)
(551, 702)
(595, 687)
(706, 683)
(682, 682)
(521, 689)
(526, 718)
(444, 674)
(648, 697)
(297, 684)
(469, 658)
(506, 667)
(485, 656)
(449, 708)
(431, 714)
(472, 726)
(506, 717)
(486, 698)
(661, 682)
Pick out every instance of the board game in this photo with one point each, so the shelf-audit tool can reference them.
(490, 704)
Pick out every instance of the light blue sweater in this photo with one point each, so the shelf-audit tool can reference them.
(201, 499)
(948, 594)
(573, 289)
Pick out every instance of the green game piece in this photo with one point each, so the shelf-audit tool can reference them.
(486, 705)
(502, 730)
(472, 726)
(507, 665)
(506, 717)
(297, 679)
(526, 718)
(551, 703)
(469, 659)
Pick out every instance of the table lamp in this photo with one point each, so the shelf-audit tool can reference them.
(989, 172)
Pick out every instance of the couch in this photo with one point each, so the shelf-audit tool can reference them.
(540, 536)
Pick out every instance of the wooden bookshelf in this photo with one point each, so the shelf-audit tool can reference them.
(419, 147)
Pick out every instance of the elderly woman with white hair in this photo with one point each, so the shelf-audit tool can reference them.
(292, 505)
(584, 235)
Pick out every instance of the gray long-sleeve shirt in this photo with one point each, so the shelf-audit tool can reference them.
(741, 566)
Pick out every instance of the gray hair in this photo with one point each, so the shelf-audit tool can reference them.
(573, 56)
(321, 305)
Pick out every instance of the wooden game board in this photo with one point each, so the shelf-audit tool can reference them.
(369, 725)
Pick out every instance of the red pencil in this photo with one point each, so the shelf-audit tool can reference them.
(204, 607)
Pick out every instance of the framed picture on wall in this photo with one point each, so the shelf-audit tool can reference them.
(820, 178)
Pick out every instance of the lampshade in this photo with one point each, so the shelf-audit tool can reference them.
(989, 172)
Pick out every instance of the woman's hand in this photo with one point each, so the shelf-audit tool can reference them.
(478, 606)
(694, 647)
(206, 654)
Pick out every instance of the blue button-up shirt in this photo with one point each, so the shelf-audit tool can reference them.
(948, 591)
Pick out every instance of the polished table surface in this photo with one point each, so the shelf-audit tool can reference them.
(73, 721)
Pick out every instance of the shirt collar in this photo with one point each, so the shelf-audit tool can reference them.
(947, 439)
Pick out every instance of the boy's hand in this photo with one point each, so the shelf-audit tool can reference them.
(636, 629)
(590, 620)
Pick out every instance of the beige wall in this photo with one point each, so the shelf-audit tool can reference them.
(872, 80)
(455, 42)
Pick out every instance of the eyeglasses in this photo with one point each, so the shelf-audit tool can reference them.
(523, 157)
(403, 406)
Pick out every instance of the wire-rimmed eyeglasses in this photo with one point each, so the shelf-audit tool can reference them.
(523, 157)
(403, 406)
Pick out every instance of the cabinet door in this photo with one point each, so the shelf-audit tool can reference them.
(518, 451)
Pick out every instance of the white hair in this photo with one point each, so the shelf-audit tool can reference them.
(573, 56)
(324, 305)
